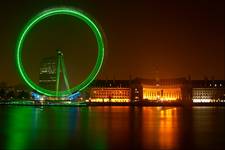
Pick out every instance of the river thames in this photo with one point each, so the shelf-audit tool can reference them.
(113, 128)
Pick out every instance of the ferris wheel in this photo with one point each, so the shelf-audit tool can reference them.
(60, 61)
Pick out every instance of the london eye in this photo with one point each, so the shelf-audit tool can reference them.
(70, 92)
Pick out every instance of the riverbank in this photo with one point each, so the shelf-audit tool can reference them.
(78, 104)
(152, 104)
(43, 103)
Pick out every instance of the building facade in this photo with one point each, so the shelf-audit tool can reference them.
(47, 76)
(137, 90)
(208, 91)
(110, 95)
(110, 91)
(162, 89)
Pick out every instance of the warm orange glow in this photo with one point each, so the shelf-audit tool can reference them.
(160, 127)
(110, 95)
(109, 100)
(168, 125)
(157, 93)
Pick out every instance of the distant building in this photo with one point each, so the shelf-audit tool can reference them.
(14, 92)
(137, 90)
(162, 89)
(208, 91)
(47, 77)
(110, 91)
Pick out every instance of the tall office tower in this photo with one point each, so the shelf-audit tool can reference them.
(47, 77)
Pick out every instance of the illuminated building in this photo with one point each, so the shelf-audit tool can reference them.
(47, 77)
(137, 90)
(110, 94)
(208, 91)
(110, 91)
(178, 90)
(161, 93)
(162, 89)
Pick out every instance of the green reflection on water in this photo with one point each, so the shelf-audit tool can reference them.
(18, 128)
(92, 129)
(53, 128)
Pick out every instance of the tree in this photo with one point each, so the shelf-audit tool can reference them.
(2, 93)
(10, 95)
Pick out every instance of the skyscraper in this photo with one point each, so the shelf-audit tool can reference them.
(47, 77)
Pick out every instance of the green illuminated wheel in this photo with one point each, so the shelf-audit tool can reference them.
(44, 15)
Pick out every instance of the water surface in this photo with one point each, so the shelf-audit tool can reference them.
(113, 128)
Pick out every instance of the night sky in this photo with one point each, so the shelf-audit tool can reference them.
(165, 39)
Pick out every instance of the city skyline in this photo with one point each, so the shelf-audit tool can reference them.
(142, 40)
(115, 74)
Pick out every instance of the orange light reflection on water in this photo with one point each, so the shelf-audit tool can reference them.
(160, 128)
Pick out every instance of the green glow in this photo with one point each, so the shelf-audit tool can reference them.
(19, 122)
(60, 62)
(57, 74)
(64, 73)
(52, 12)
